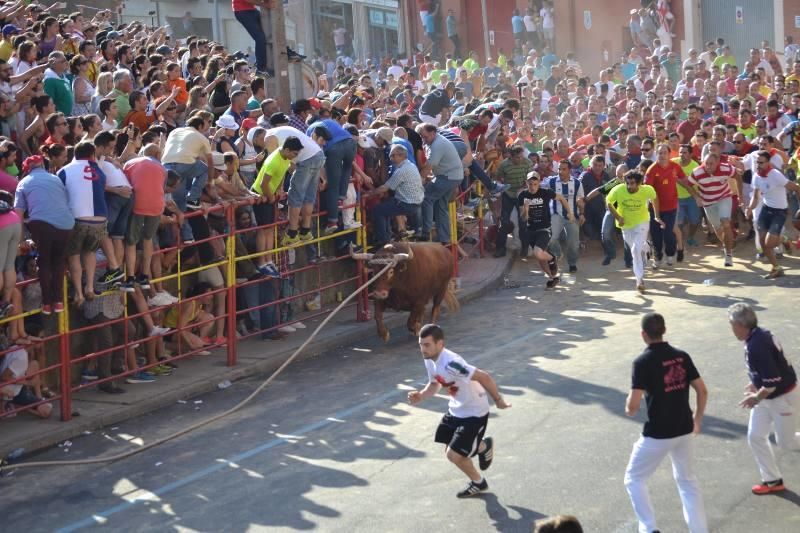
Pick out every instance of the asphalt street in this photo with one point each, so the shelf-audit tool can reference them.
(334, 446)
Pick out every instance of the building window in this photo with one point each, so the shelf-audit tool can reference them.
(328, 15)
(383, 37)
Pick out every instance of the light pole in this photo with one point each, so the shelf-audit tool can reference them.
(486, 49)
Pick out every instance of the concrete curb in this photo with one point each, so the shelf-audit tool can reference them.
(322, 344)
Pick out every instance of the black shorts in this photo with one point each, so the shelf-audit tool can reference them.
(539, 238)
(265, 213)
(462, 435)
(771, 220)
(25, 397)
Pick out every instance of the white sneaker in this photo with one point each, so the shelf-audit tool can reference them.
(656, 263)
(670, 260)
(158, 330)
(299, 325)
(352, 225)
(286, 329)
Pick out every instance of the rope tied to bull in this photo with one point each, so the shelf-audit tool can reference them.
(124, 455)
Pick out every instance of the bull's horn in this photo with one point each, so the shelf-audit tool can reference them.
(360, 256)
(402, 257)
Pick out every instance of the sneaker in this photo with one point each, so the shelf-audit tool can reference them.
(89, 375)
(299, 325)
(58, 307)
(679, 256)
(331, 228)
(305, 237)
(143, 281)
(728, 260)
(140, 377)
(606, 261)
(290, 241)
(129, 285)
(112, 276)
(670, 260)
(161, 370)
(550, 283)
(500, 188)
(473, 488)
(640, 286)
(340, 203)
(5, 308)
(767, 487)
(485, 458)
(158, 331)
(269, 270)
(553, 264)
(656, 264)
(352, 225)
(556, 280)
(162, 298)
(286, 329)
(774, 273)
(193, 205)
(573, 269)
(47, 309)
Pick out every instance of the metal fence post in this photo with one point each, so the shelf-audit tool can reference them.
(231, 275)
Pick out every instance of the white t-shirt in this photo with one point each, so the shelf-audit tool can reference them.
(772, 189)
(547, 17)
(310, 148)
(114, 176)
(530, 24)
(396, 71)
(17, 361)
(467, 397)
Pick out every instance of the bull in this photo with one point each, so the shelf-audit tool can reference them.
(423, 273)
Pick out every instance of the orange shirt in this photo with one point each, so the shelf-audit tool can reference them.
(183, 96)
(140, 119)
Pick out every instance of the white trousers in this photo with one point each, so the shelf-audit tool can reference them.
(636, 239)
(349, 214)
(431, 120)
(778, 416)
(647, 454)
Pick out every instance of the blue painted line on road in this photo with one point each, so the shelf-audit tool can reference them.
(97, 518)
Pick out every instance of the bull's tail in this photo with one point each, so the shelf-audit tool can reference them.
(450, 299)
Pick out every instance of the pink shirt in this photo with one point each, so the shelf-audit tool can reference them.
(8, 182)
(9, 219)
(147, 177)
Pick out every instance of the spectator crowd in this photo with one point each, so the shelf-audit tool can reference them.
(121, 150)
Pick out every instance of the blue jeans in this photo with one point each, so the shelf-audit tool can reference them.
(437, 199)
(260, 294)
(304, 181)
(664, 241)
(609, 248)
(251, 20)
(194, 177)
(559, 225)
(382, 217)
(507, 206)
(119, 212)
(339, 169)
(477, 172)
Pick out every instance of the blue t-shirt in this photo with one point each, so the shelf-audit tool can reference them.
(517, 24)
(766, 364)
(451, 25)
(490, 75)
(628, 70)
(44, 197)
(429, 23)
(338, 133)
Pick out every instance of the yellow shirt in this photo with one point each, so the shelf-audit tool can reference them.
(6, 49)
(275, 167)
(688, 169)
(185, 145)
(633, 208)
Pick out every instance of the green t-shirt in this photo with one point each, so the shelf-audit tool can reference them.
(436, 75)
(688, 169)
(275, 167)
(749, 133)
(721, 60)
(632, 207)
(471, 65)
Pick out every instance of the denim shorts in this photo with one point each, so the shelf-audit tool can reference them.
(303, 183)
(771, 220)
(719, 211)
(688, 211)
(119, 211)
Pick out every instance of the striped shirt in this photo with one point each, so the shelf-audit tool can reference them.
(407, 184)
(458, 142)
(514, 175)
(713, 187)
(571, 190)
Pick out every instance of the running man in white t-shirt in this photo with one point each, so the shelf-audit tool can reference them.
(771, 185)
(463, 426)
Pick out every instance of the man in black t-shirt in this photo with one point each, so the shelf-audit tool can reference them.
(534, 204)
(663, 375)
(434, 104)
(772, 396)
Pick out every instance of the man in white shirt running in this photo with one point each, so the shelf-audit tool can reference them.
(463, 426)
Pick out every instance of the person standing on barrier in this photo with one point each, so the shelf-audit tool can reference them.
(188, 152)
(571, 189)
(772, 396)
(512, 172)
(663, 375)
(406, 184)
(44, 197)
(340, 151)
(463, 427)
(445, 165)
(303, 184)
(269, 184)
(246, 12)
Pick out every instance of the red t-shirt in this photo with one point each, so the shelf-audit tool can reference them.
(242, 5)
(147, 177)
(687, 129)
(665, 181)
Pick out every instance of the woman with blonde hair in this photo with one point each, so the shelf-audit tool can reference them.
(105, 84)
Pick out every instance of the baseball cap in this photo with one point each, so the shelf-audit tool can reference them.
(164, 50)
(249, 123)
(10, 29)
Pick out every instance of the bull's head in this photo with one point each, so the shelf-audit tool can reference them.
(381, 258)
